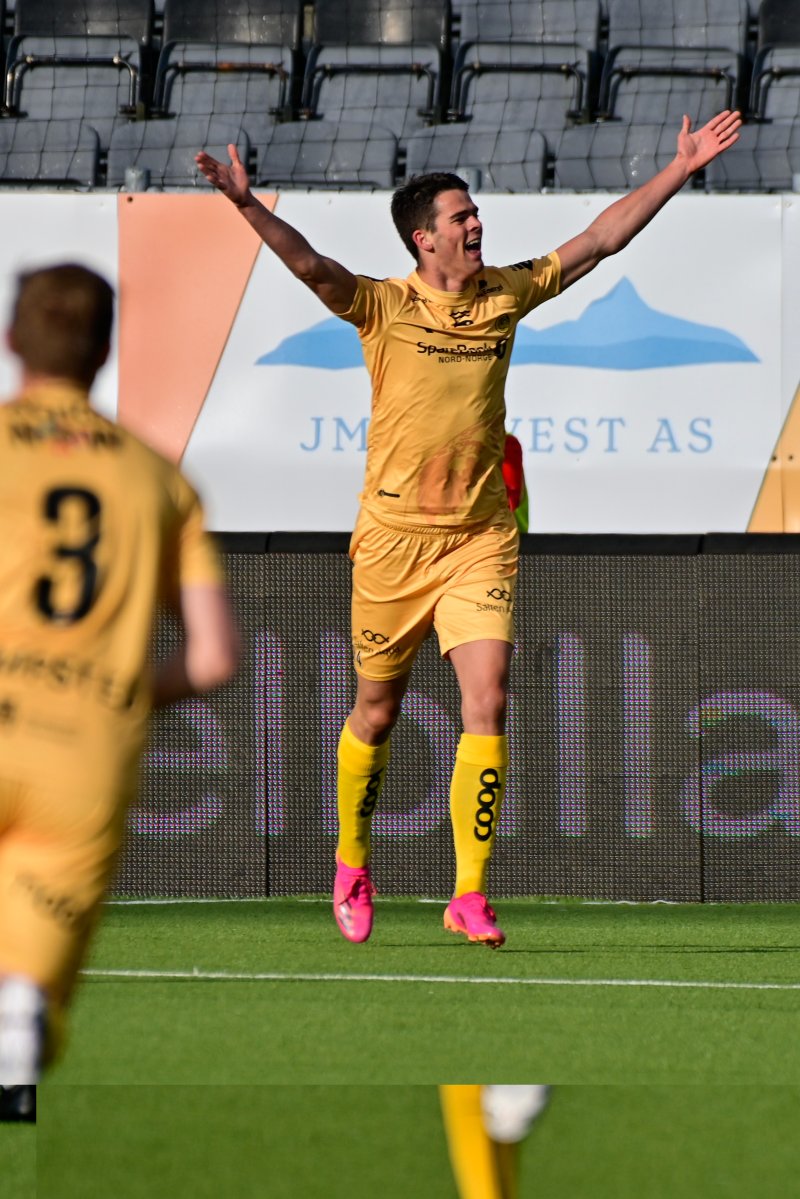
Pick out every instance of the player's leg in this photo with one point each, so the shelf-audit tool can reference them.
(23, 1000)
(508, 1113)
(362, 759)
(390, 617)
(478, 783)
(45, 928)
(474, 619)
(363, 756)
(56, 856)
(23, 1030)
(473, 1154)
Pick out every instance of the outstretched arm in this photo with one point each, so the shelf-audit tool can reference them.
(328, 279)
(615, 227)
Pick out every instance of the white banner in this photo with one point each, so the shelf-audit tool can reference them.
(647, 398)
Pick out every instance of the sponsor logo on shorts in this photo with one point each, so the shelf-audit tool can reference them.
(374, 638)
(487, 804)
(373, 645)
(502, 604)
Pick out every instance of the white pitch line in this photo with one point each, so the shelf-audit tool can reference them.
(267, 976)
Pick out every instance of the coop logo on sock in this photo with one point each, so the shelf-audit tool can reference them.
(371, 796)
(487, 804)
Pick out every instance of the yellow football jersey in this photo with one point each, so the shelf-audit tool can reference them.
(95, 529)
(438, 363)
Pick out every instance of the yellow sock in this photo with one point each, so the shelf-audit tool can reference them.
(476, 794)
(473, 1154)
(358, 785)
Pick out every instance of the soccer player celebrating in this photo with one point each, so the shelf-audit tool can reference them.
(435, 543)
(96, 531)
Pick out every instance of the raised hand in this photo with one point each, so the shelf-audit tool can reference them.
(699, 148)
(231, 180)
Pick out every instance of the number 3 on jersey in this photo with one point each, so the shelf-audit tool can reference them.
(76, 514)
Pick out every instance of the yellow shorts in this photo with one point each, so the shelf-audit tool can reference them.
(407, 581)
(60, 830)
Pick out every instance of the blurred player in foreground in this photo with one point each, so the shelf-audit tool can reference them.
(435, 543)
(484, 1126)
(96, 531)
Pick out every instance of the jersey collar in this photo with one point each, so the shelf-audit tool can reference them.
(445, 299)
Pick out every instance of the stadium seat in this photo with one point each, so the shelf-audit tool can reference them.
(236, 61)
(612, 156)
(526, 64)
(165, 150)
(329, 154)
(775, 93)
(48, 153)
(666, 58)
(78, 62)
(765, 158)
(377, 61)
(512, 160)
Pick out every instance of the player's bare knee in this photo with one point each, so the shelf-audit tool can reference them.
(372, 720)
(485, 711)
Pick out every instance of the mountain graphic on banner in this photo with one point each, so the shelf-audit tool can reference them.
(617, 332)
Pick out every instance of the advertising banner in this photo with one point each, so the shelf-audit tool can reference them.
(654, 714)
(655, 395)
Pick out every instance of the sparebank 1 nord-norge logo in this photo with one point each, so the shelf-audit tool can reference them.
(618, 332)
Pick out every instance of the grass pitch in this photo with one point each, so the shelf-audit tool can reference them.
(18, 1160)
(269, 992)
(718, 1142)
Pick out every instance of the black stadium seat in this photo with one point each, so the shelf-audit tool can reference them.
(327, 154)
(612, 156)
(526, 64)
(512, 160)
(165, 150)
(48, 153)
(775, 92)
(78, 62)
(377, 62)
(238, 61)
(666, 58)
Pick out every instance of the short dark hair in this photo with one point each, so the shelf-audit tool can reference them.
(414, 204)
(61, 321)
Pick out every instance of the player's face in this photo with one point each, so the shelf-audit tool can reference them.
(457, 233)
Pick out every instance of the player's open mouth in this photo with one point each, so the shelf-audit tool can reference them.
(474, 246)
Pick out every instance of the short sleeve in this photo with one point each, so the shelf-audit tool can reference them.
(375, 303)
(534, 280)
